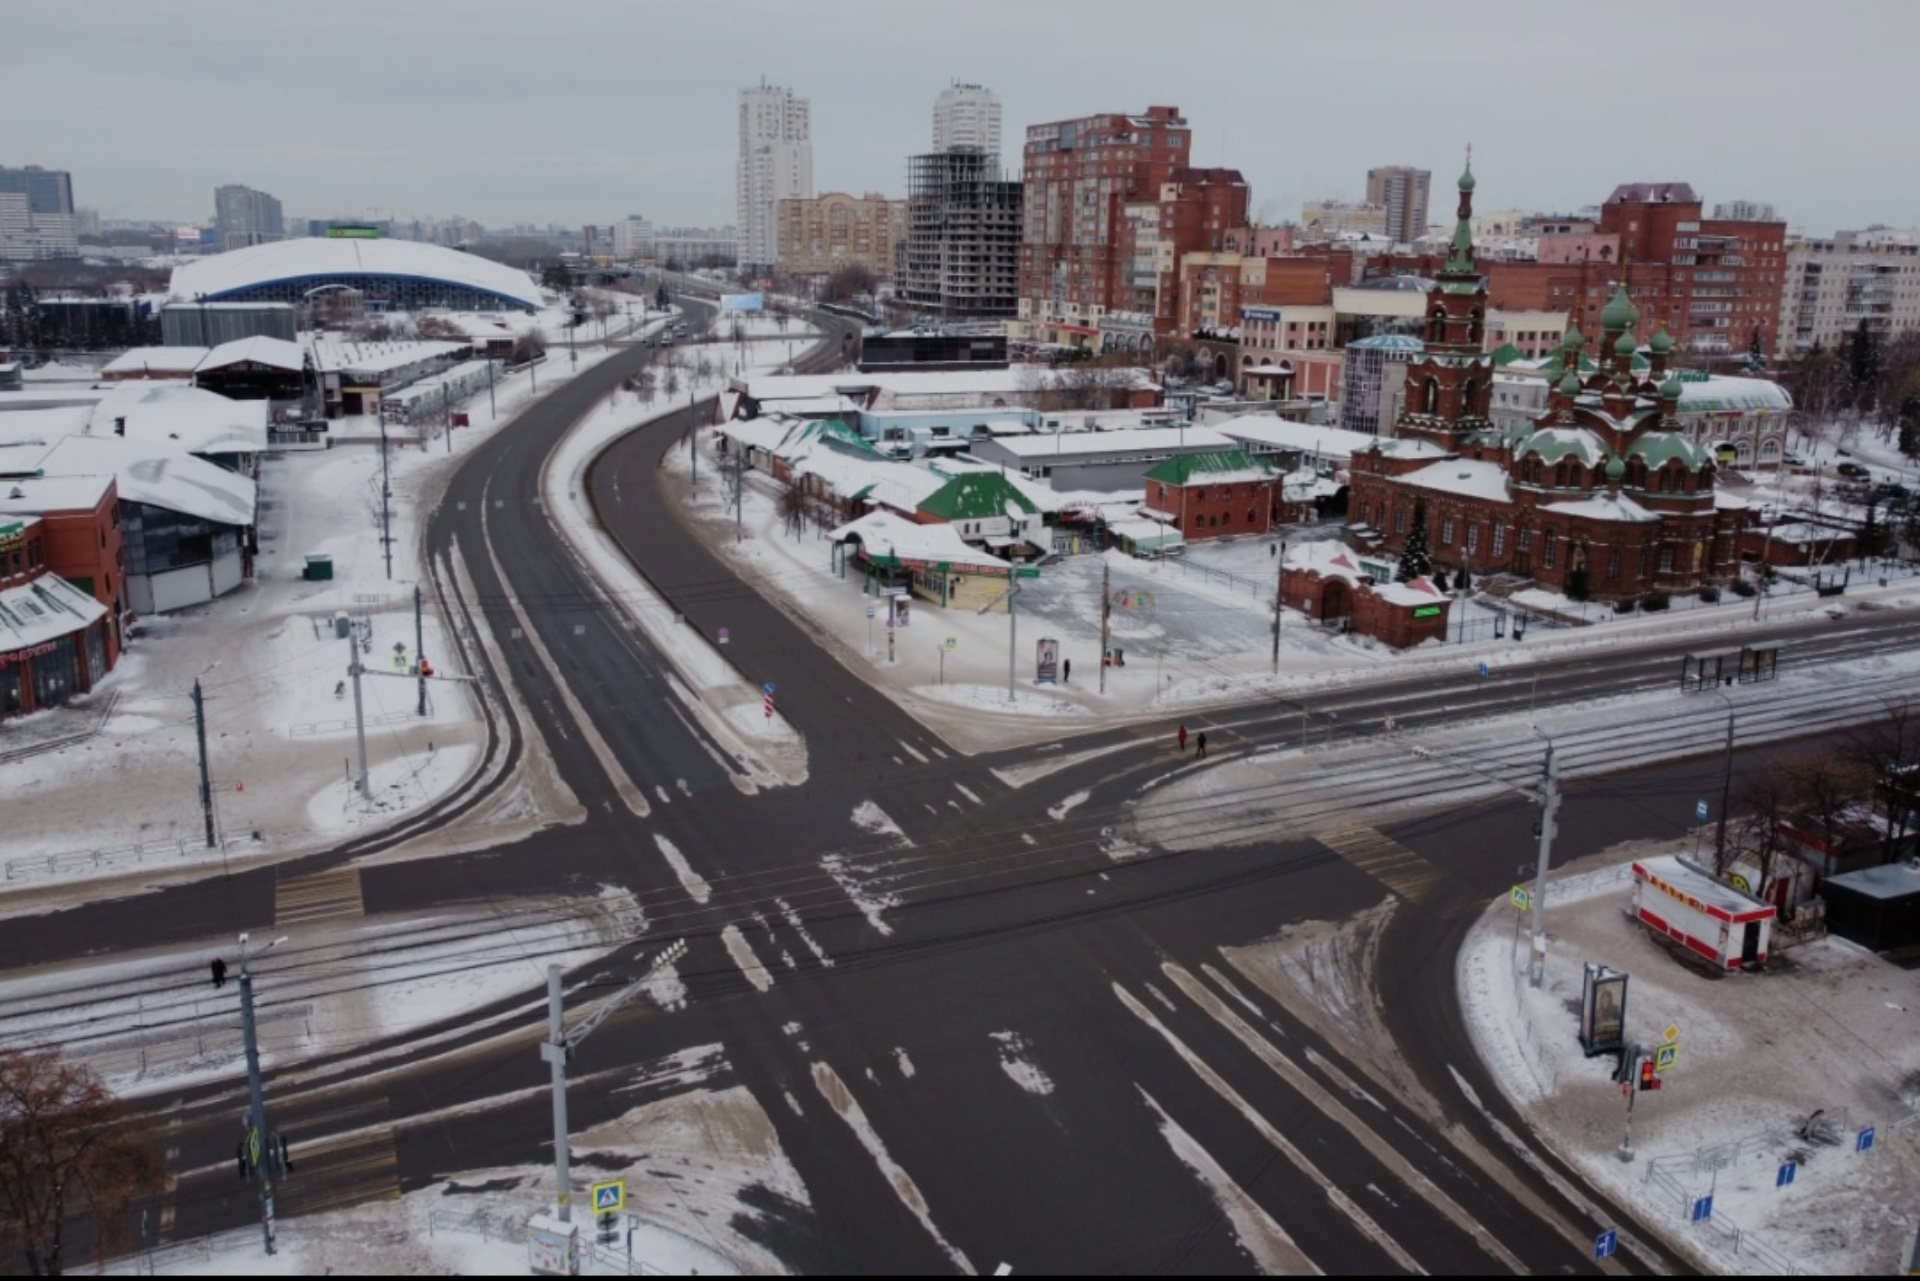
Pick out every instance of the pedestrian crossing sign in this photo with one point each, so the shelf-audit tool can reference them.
(1665, 1056)
(610, 1198)
(1521, 897)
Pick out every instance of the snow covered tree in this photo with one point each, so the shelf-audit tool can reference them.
(1415, 560)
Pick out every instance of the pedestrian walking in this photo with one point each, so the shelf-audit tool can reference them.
(1200, 746)
(1066, 670)
(1273, 551)
(1181, 737)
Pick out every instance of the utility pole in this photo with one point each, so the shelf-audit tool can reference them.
(559, 1047)
(1106, 615)
(1549, 808)
(262, 1152)
(1013, 590)
(446, 414)
(1279, 597)
(420, 646)
(359, 708)
(206, 782)
(693, 440)
(493, 407)
(1726, 796)
(386, 495)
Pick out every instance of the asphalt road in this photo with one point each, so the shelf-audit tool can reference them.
(1168, 1111)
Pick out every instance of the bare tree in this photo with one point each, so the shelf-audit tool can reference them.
(1757, 839)
(793, 508)
(69, 1152)
(1888, 750)
(438, 329)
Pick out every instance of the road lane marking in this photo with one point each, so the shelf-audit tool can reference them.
(743, 956)
(318, 896)
(841, 1100)
(1345, 1204)
(1058, 813)
(691, 881)
(1266, 1241)
(871, 905)
(1385, 860)
(1330, 1106)
(622, 783)
(799, 927)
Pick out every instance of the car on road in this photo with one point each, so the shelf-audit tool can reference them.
(1851, 468)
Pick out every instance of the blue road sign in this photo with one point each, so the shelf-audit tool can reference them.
(610, 1198)
(1702, 1209)
(1863, 1141)
(1605, 1244)
(1700, 811)
(767, 688)
(1788, 1169)
(1485, 670)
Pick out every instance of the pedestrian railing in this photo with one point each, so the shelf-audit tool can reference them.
(138, 854)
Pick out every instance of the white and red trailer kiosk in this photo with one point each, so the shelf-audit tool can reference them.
(1684, 902)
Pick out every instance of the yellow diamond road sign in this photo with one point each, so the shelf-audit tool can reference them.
(1673, 1034)
(1521, 897)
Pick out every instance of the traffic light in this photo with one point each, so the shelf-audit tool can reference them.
(1649, 1080)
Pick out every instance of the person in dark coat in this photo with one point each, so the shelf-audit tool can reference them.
(1200, 745)
(1066, 670)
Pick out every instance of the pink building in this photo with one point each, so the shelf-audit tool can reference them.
(1578, 246)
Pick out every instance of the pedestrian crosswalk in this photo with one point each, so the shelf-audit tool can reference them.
(1385, 860)
(319, 896)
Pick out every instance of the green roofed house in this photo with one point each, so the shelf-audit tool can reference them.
(1214, 495)
(986, 510)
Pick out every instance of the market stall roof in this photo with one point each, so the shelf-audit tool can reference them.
(44, 610)
(888, 539)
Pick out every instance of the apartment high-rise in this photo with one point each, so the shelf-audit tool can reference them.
(1080, 176)
(775, 164)
(822, 234)
(1402, 191)
(967, 116)
(1836, 284)
(243, 216)
(36, 214)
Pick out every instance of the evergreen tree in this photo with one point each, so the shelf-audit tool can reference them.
(1910, 427)
(1870, 536)
(1415, 560)
(1756, 356)
(1863, 364)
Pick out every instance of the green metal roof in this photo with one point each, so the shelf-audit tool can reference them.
(1555, 443)
(982, 495)
(1506, 353)
(1219, 466)
(1660, 447)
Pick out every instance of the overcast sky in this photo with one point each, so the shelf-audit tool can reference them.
(583, 110)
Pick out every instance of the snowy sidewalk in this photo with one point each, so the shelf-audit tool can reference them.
(1828, 1027)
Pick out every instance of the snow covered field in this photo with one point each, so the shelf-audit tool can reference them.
(1828, 1027)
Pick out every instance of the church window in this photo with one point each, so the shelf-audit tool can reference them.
(1549, 549)
(1525, 539)
(1613, 565)
(1473, 538)
(1499, 541)
(1446, 532)
(1666, 559)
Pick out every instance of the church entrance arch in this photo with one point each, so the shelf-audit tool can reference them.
(1336, 601)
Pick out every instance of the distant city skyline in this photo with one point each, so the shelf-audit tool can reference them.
(584, 112)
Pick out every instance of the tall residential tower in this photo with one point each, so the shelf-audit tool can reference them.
(775, 164)
(967, 116)
(1402, 192)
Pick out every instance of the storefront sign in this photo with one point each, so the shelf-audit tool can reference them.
(22, 655)
(1427, 611)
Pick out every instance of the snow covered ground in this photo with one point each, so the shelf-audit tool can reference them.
(280, 725)
(1827, 1028)
(703, 1169)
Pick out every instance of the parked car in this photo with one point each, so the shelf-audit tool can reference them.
(1853, 469)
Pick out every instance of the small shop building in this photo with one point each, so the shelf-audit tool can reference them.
(933, 562)
(1684, 902)
(54, 638)
(1340, 588)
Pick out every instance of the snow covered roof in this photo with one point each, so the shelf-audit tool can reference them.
(1555, 443)
(43, 426)
(310, 258)
(158, 475)
(376, 357)
(1887, 881)
(888, 537)
(1336, 561)
(870, 479)
(985, 495)
(1274, 432)
(1215, 467)
(44, 610)
(1716, 394)
(38, 495)
(1463, 476)
(165, 360)
(1675, 871)
(1409, 447)
(185, 418)
(1126, 440)
(1602, 507)
(1146, 535)
(260, 349)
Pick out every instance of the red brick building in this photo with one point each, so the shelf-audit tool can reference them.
(1711, 283)
(55, 639)
(1079, 176)
(1332, 585)
(1215, 495)
(1602, 495)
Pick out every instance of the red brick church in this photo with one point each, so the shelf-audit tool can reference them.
(1602, 495)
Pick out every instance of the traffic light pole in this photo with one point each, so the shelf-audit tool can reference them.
(206, 781)
(262, 1151)
(1549, 808)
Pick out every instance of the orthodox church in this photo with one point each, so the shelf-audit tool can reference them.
(1602, 495)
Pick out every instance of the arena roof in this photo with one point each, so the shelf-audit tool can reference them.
(317, 259)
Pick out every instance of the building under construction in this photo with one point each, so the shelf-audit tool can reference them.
(963, 236)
